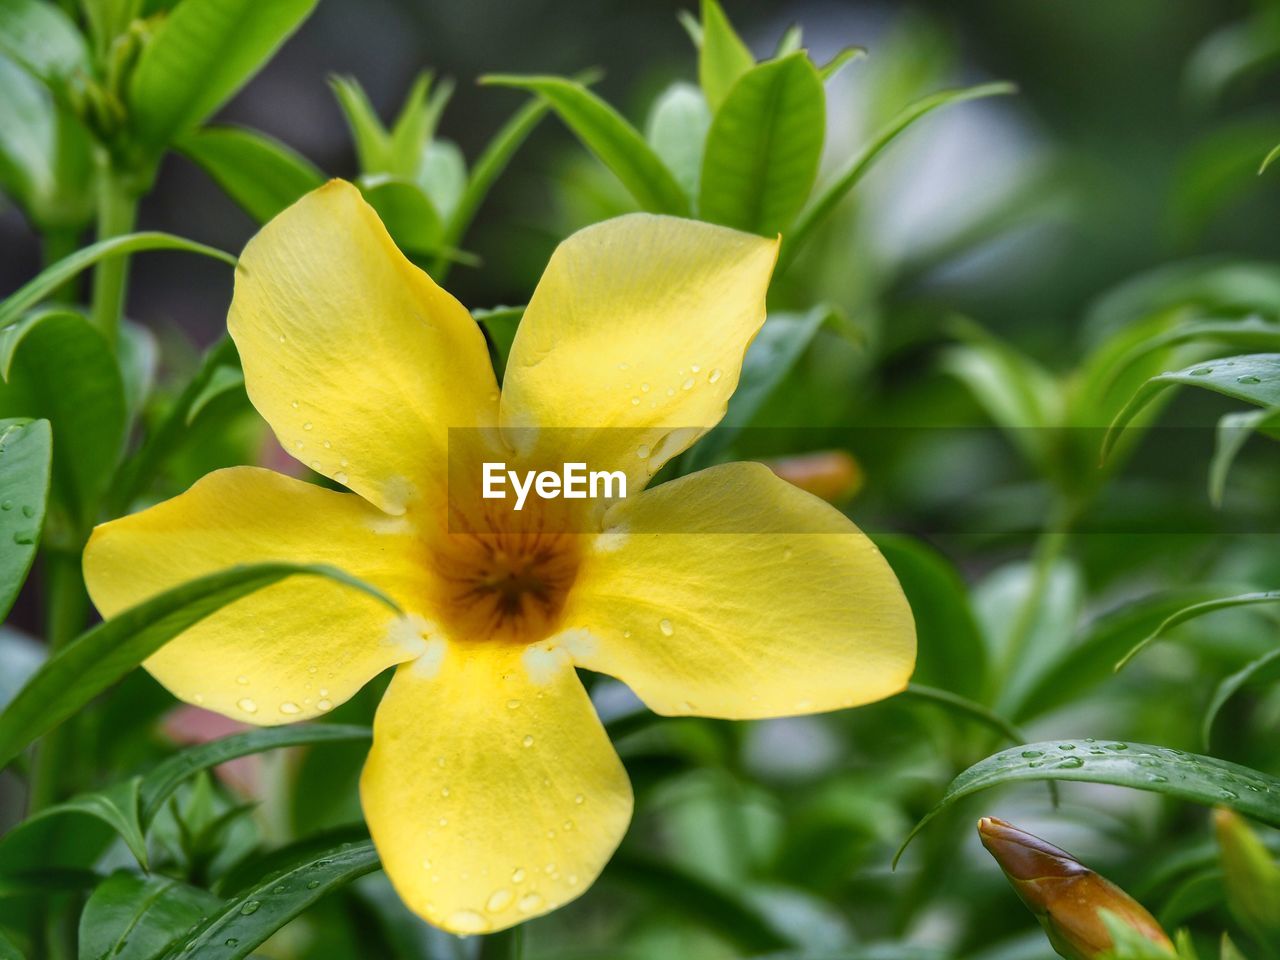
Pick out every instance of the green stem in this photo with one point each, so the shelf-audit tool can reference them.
(60, 243)
(1048, 550)
(117, 212)
(66, 610)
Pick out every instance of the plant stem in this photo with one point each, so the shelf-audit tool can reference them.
(503, 945)
(117, 211)
(59, 243)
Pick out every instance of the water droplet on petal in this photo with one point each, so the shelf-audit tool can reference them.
(444, 791)
(687, 385)
(714, 375)
(242, 680)
(324, 704)
(530, 902)
(665, 626)
(513, 704)
(499, 900)
(517, 876)
(468, 921)
(579, 799)
(290, 707)
(307, 426)
(247, 705)
(644, 388)
(642, 451)
(527, 741)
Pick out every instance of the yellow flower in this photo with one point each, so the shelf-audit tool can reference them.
(491, 790)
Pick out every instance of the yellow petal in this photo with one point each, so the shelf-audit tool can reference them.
(637, 329)
(292, 650)
(358, 361)
(492, 792)
(730, 593)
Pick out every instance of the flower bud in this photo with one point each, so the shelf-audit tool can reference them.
(832, 475)
(1250, 874)
(1065, 895)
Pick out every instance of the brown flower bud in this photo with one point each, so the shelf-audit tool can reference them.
(832, 475)
(1064, 894)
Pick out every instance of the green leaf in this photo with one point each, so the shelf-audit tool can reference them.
(840, 61)
(951, 650)
(133, 917)
(1234, 430)
(501, 324)
(1265, 669)
(201, 54)
(416, 125)
(1254, 378)
(1194, 611)
(821, 206)
(55, 275)
(86, 411)
(722, 56)
(46, 162)
(248, 919)
(226, 379)
(373, 143)
(108, 19)
(677, 131)
(608, 135)
(43, 39)
(965, 707)
(1174, 773)
(8, 949)
(116, 807)
(164, 779)
(1247, 333)
(1269, 159)
(792, 39)
(442, 173)
(764, 146)
(102, 655)
(260, 174)
(25, 451)
(408, 214)
(773, 353)
(487, 169)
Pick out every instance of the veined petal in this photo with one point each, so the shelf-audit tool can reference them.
(492, 792)
(294, 649)
(730, 593)
(354, 356)
(633, 341)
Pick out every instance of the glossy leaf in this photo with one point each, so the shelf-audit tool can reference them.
(102, 655)
(442, 174)
(248, 919)
(1173, 773)
(116, 807)
(608, 135)
(260, 174)
(86, 411)
(1247, 333)
(677, 131)
(1233, 432)
(202, 53)
(55, 275)
(1253, 378)
(42, 38)
(1264, 670)
(722, 56)
(408, 214)
(415, 127)
(134, 917)
(160, 784)
(821, 206)
(1194, 611)
(25, 454)
(763, 147)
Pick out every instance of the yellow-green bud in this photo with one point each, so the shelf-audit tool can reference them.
(1250, 874)
(1065, 895)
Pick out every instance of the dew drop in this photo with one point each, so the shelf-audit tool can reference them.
(513, 704)
(7, 505)
(665, 626)
(312, 884)
(1070, 763)
(1032, 754)
(635, 401)
(624, 366)
(247, 705)
(341, 476)
(1202, 371)
(579, 799)
(671, 391)
(714, 375)
(549, 869)
(324, 704)
(426, 864)
(517, 876)
(290, 707)
(22, 539)
(444, 791)
(567, 825)
(1118, 747)
(499, 900)
(282, 338)
(687, 385)
(443, 821)
(1229, 795)
(28, 511)
(642, 451)
(243, 681)
(231, 942)
(308, 425)
(626, 634)
(250, 907)
(695, 368)
(1248, 378)
(294, 404)
(527, 741)
(468, 921)
(644, 388)
(315, 464)
(328, 445)
(529, 902)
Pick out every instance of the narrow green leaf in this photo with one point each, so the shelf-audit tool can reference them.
(677, 131)
(108, 19)
(792, 39)
(1249, 333)
(86, 412)
(840, 61)
(416, 125)
(43, 39)
(1194, 611)
(1265, 669)
(965, 707)
(722, 56)
(253, 915)
(406, 211)
(102, 655)
(226, 379)
(201, 54)
(260, 174)
(1253, 378)
(164, 779)
(1269, 159)
(764, 146)
(55, 275)
(608, 135)
(25, 454)
(116, 807)
(1174, 773)
(373, 143)
(134, 917)
(825, 201)
(501, 324)
(1234, 430)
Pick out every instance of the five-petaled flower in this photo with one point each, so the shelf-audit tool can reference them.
(491, 790)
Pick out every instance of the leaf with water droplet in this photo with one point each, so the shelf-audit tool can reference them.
(133, 917)
(27, 446)
(1184, 776)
